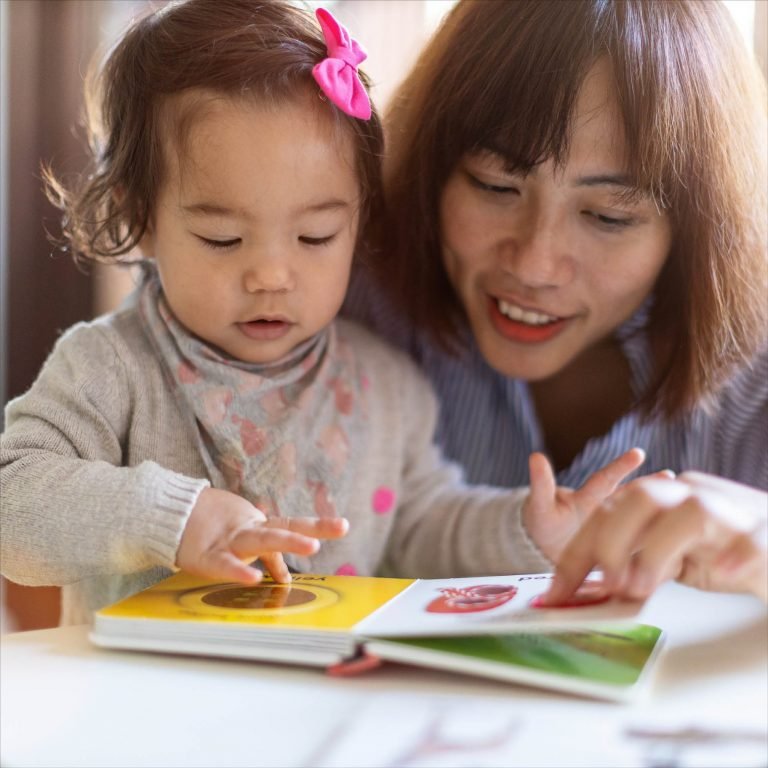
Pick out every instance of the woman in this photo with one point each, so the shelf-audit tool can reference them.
(576, 254)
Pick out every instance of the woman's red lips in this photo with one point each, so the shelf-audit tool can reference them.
(522, 332)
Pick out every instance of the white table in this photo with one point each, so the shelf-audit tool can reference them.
(66, 703)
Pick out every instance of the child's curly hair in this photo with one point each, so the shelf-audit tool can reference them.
(262, 50)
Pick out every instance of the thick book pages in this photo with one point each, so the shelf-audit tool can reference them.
(490, 626)
(607, 663)
(309, 621)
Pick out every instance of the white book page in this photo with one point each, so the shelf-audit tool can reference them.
(481, 605)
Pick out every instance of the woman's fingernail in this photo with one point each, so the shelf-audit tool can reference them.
(552, 595)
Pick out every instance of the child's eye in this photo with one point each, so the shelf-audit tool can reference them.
(316, 240)
(610, 223)
(219, 245)
(497, 189)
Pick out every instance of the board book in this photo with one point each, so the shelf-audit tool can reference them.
(490, 626)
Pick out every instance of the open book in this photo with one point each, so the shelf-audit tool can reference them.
(487, 626)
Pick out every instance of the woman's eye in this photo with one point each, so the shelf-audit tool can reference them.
(609, 222)
(218, 245)
(496, 189)
(316, 240)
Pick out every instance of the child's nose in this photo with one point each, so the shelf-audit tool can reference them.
(269, 275)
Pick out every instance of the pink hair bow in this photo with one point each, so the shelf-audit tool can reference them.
(337, 75)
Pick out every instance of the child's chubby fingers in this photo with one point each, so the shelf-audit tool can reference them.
(542, 483)
(224, 566)
(252, 542)
(605, 480)
(316, 527)
(268, 539)
(275, 565)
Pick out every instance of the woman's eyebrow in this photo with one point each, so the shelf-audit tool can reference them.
(620, 182)
(606, 180)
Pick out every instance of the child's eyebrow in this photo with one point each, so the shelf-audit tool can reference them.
(326, 205)
(211, 209)
(223, 211)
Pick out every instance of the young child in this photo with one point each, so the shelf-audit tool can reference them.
(222, 414)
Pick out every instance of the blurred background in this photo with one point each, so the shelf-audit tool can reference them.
(45, 49)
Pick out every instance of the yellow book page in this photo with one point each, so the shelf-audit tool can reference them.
(311, 601)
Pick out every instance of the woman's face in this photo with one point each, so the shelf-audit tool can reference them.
(549, 264)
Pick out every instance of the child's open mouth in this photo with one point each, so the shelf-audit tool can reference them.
(265, 330)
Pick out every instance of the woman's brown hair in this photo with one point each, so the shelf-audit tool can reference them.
(505, 76)
(262, 50)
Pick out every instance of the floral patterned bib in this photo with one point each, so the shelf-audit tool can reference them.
(282, 434)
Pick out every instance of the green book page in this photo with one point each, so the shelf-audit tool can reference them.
(609, 656)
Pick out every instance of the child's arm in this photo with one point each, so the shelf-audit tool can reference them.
(445, 527)
(70, 509)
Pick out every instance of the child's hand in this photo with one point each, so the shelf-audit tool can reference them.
(552, 515)
(225, 532)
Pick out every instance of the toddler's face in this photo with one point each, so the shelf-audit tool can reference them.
(255, 226)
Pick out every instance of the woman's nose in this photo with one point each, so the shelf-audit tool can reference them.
(538, 253)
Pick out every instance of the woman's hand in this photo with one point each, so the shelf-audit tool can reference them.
(552, 515)
(225, 532)
(702, 530)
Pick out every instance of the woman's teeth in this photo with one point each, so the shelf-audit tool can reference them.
(513, 312)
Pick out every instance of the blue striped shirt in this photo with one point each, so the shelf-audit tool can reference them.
(488, 422)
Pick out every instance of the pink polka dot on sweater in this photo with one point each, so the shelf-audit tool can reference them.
(346, 570)
(383, 500)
